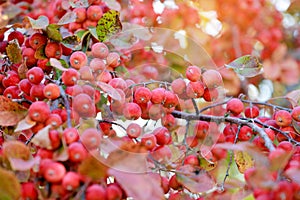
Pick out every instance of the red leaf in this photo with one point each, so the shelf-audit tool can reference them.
(195, 180)
(112, 92)
(139, 186)
(10, 112)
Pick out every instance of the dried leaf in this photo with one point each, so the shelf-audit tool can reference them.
(87, 123)
(40, 23)
(23, 165)
(128, 158)
(195, 180)
(139, 186)
(10, 112)
(42, 139)
(73, 42)
(22, 70)
(53, 32)
(14, 52)
(108, 25)
(16, 149)
(57, 64)
(243, 160)
(10, 188)
(25, 124)
(112, 92)
(79, 3)
(247, 66)
(69, 17)
(112, 4)
(40, 53)
(294, 97)
(93, 167)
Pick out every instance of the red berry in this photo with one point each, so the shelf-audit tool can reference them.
(80, 14)
(70, 77)
(133, 130)
(113, 192)
(283, 118)
(71, 181)
(193, 73)
(16, 35)
(132, 111)
(148, 141)
(37, 40)
(212, 79)
(54, 120)
(178, 86)
(39, 111)
(142, 95)
(51, 91)
(100, 50)
(28, 57)
(171, 100)
(94, 13)
(162, 135)
(53, 50)
(54, 172)
(91, 138)
(78, 59)
(77, 152)
(35, 75)
(195, 89)
(296, 113)
(113, 59)
(210, 94)
(29, 191)
(84, 105)
(95, 192)
(245, 133)
(201, 129)
(191, 160)
(71, 135)
(252, 111)
(158, 95)
(235, 106)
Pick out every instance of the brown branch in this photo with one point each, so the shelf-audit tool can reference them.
(220, 119)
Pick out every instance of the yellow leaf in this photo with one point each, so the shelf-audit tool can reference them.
(243, 160)
(14, 52)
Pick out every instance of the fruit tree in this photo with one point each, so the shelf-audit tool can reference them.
(149, 99)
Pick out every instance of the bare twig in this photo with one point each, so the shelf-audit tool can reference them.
(67, 105)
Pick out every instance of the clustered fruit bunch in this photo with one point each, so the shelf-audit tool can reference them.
(78, 122)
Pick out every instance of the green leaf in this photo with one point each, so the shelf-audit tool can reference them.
(40, 23)
(40, 53)
(68, 18)
(73, 42)
(53, 32)
(10, 188)
(247, 66)
(108, 25)
(14, 52)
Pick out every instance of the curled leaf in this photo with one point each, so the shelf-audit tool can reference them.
(113, 4)
(68, 18)
(108, 25)
(40, 23)
(14, 52)
(73, 42)
(79, 3)
(53, 32)
(10, 112)
(16, 149)
(294, 97)
(25, 124)
(57, 64)
(93, 167)
(42, 138)
(18, 164)
(10, 187)
(247, 66)
(243, 160)
(112, 92)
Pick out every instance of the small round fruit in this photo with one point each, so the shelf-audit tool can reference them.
(191, 160)
(283, 118)
(113, 192)
(16, 35)
(95, 192)
(212, 79)
(132, 111)
(178, 86)
(142, 95)
(54, 172)
(78, 59)
(91, 138)
(134, 130)
(77, 152)
(53, 50)
(39, 111)
(158, 95)
(70, 135)
(193, 73)
(235, 106)
(80, 14)
(35, 75)
(84, 105)
(51, 91)
(252, 111)
(29, 191)
(296, 113)
(70, 77)
(37, 40)
(100, 50)
(71, 181)
(94, 13)
(148, 141)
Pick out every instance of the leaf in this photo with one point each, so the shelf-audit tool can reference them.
(243, 161)
(129, 158)
(10, 112)
(16, 149)
(57, 64)
(22, 70)
(112, 4)
(108, 25)
(40, 23)
(93, 167)
(139, 186)
(40, 53)
(10, 188)
(8, 12)
(72, 42)
(195, 180)
(24, 124)
(206, 164)
(14, 52)
(296, 126)
(53, 32)
(79, 3)
(23, 165)
(112, 92)
(42, 138)
(247, 66)
(294, 97)
(68, 18)
(293, 174)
